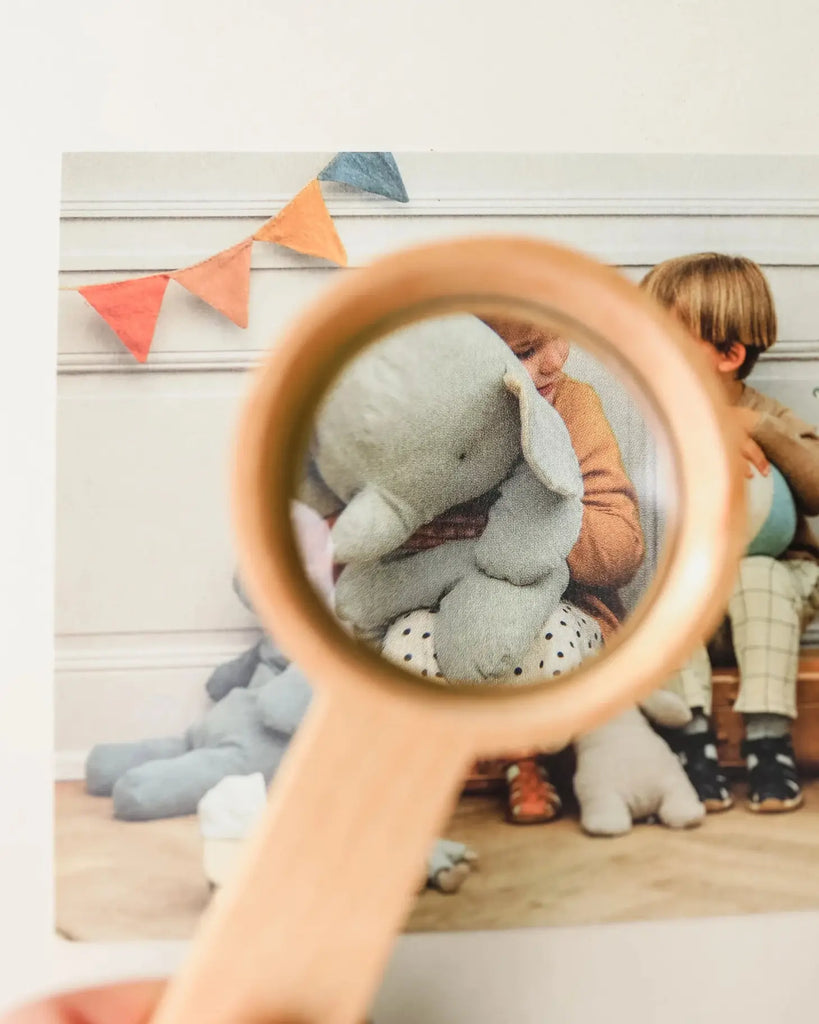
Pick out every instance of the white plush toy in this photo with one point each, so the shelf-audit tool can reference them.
(627, 773)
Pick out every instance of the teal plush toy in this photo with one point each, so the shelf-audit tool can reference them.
(771, 514)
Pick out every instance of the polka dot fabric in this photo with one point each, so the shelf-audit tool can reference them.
(567, 637)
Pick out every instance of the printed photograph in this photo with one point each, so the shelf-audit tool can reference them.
(486, 499)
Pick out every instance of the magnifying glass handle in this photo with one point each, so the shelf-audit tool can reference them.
(303, 930)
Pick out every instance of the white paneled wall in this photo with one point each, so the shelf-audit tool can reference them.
(143, 599)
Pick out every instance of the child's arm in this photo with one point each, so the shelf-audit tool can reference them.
(610, 547)
(792, 446)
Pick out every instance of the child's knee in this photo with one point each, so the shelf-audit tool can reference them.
(763, 573)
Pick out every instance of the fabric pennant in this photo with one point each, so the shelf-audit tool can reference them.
(130, 308)
(305, 225)
(371, 172)
(223, 281)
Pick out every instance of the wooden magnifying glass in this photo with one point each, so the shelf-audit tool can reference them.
(303, 930)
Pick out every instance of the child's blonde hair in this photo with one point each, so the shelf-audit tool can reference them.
(721, 299)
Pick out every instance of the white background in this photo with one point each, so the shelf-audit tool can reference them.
(684, 77)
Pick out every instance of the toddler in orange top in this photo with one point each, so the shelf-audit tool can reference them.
(610, 547)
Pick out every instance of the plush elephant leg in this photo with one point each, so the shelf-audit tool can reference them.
(108, 762)
(173, 787)
(604, 813)
(485, 626)
(681, 807)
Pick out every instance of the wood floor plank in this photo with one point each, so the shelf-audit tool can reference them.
(126, 881)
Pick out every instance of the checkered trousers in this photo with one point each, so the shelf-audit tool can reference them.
(772, 604)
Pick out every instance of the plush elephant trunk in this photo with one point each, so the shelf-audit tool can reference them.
(372, 525)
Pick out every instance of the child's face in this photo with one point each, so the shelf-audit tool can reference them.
(541, 352)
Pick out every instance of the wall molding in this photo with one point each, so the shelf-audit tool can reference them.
(150, 651)
(240, 360)
(106, 656)
(110, 255)
(173, 206)
(76, 363)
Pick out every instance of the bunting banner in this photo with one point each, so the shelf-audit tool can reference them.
(223, 281)
(131, 308)
(306, 226)
(371, 172)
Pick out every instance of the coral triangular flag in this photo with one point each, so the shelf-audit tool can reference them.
(371, 172)
(223, 281)
(305, 225)
(130, 308)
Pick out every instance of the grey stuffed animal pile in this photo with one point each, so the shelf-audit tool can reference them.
(260, 699)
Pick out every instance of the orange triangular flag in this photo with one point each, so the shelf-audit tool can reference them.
(130, 309)
(305, 225)
(223, 281)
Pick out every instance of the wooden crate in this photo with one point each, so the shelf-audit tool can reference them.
(729, 725)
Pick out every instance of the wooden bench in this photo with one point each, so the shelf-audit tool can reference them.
(488, 776)
(729, 726)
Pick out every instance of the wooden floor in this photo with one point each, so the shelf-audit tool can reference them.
(125, 881)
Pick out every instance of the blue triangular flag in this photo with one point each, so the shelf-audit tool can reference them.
(371, 172)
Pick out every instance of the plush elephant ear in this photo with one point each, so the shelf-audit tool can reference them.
(371, 526)
(544, 438)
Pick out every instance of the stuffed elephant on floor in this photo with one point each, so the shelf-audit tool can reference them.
(259, 699)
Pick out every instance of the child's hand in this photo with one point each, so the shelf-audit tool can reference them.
(747, 420)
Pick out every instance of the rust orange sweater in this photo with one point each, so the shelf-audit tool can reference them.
(610, 547)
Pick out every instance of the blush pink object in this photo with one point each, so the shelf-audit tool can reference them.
(313, 535)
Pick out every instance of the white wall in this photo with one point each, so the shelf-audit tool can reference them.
(143, 602)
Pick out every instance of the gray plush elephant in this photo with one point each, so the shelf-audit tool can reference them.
(435, 415)
(260, 700)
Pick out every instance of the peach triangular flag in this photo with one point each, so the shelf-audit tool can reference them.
(305, 225)
(130, 309)
(223, 281)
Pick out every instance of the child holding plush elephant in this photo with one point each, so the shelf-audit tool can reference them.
(608, 550)
(458, 498)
